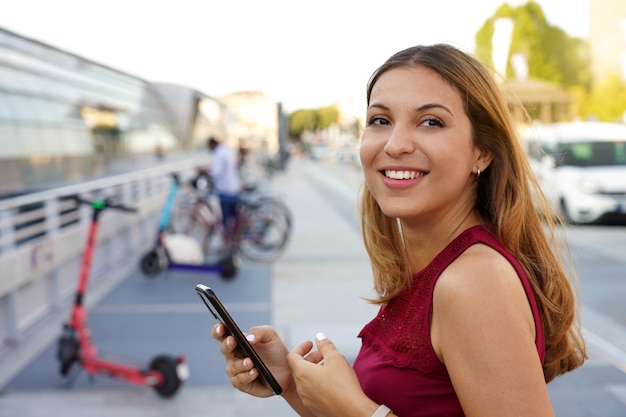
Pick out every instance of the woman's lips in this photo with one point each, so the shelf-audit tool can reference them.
(402, 178)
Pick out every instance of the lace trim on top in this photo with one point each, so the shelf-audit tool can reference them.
(400, 333)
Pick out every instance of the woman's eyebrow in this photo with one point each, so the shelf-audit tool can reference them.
(377, 106)
(433, 106)
(420, 108)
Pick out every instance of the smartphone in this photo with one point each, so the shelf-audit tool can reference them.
(219, 312)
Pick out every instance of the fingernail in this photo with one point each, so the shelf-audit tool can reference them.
(320, 336)
(250, 337)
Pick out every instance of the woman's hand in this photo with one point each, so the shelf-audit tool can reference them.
(240, 368)
(326, 382)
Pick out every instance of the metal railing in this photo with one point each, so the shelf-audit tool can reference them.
(42, 238)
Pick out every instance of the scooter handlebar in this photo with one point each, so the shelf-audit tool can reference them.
(123, 208)
(107, 203)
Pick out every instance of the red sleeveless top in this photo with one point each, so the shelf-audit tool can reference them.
(397, 365)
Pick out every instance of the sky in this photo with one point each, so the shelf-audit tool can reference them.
(304, 54)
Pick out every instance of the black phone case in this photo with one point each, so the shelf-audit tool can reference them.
(221, 314)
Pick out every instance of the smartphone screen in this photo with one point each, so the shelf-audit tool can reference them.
(219, 312)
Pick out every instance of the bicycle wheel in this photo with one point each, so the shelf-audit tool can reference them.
(184, 221)
(264, 233)
(272, 205)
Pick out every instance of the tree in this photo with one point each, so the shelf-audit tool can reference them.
(551, 54)
(327, 116)
(607, 101)
(301, 121)
(307, 120)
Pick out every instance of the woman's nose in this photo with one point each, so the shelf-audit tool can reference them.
(399, 142)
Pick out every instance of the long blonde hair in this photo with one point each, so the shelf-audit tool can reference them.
(508, 198)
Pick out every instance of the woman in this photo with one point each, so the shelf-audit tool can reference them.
(477, 313)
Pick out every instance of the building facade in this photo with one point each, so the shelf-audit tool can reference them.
(253, 121)
(64, 118)
(607, 38)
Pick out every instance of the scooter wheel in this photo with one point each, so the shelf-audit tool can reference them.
(166, 366)
(67, 350)
(150, 264)
(228, 268)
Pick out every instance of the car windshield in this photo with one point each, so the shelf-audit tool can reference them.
(585, 154)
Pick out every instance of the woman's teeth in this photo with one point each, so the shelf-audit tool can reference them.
(403, 175)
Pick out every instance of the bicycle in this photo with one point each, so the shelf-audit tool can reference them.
(168, 254)
(260, 232)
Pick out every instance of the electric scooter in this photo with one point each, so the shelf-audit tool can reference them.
(165, 373)
(188, 256)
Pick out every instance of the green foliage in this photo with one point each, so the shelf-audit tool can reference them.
(327, 116)
(301, 121)
(551, 54)
(307, 120)
(607, 101)
(484, 36)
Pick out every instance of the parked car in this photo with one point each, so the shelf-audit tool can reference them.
(581, 167)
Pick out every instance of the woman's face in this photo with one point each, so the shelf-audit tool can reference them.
(417, 151)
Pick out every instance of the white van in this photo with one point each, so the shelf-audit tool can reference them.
(581, 167)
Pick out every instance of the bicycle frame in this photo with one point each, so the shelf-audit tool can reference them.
(247, 233)
(204, 216)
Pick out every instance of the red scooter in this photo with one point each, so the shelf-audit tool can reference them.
(165, 373)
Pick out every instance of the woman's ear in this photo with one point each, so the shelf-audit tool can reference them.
(484, 158)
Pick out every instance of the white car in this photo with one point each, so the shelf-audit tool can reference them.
(581, 167)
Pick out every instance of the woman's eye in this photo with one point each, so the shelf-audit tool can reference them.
(377, 121)
(432, 122)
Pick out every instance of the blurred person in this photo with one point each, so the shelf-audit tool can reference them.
(159, 152)
(247, 171)
(242, 154)
(225, 178)
(477, 312)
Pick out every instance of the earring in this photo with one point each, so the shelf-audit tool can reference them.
(477, 172)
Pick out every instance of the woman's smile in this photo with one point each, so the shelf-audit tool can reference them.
(403, 174)
(402, 179)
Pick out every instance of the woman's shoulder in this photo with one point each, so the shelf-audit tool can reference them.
(479, 271)
(482, 288)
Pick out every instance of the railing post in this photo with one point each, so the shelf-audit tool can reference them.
(127, 192)
(9, 309)
(138, 197)
(7, 233)
(52, 229)
(8, 303)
